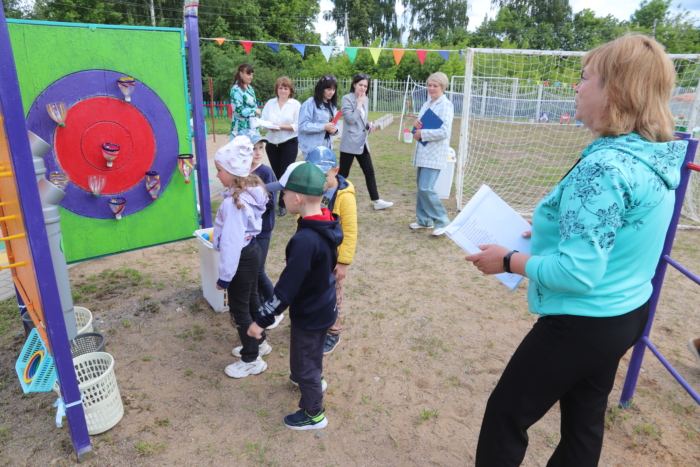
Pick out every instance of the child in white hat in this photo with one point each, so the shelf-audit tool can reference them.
(237, 223)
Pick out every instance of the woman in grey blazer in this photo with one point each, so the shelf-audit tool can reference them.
(353, 143)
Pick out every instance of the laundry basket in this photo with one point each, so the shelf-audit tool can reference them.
(83, 319)
(102, 402)
(86, 343)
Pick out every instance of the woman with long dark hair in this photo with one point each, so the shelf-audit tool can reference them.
(243, 99)
(316, 115)
(353, 143)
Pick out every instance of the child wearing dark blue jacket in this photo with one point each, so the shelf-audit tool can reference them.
(307, 287)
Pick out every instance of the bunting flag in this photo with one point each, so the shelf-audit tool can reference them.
(460, 55)
(556, 84)
(220, 40)
(247, 45)
(398, 55)
(528, 81)
(352, 53)
(421, 55)
(445, 54)
(546, 83)
(275, 46)
(375, 54)
(327, 50)
(301, 48)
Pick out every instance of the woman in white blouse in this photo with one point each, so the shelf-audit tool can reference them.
(282, 145)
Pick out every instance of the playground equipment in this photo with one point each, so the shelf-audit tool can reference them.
(74, 108)
(658, 280)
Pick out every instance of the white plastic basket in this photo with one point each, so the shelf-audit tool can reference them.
(102, 402)
(83, 319)
(209, 269)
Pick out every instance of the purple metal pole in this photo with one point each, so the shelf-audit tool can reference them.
(30, 204)
(197, 99)
(658, 280)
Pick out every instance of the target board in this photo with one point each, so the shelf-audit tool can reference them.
(80, 65)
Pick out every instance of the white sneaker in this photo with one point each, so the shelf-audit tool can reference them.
(416, 225)
(439, 231)
(241, 369)
(381, 204)
(278, 319)
(263, 350)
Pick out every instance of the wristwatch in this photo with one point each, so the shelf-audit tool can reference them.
(506, 261)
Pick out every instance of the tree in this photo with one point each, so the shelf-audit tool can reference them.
(428, 18)
(368, 20)
(650, 11)
(590, 31)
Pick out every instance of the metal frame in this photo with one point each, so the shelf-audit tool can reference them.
(657, 282)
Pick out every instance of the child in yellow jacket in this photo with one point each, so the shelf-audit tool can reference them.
(339, 197)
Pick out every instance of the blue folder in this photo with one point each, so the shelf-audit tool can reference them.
(430, 121)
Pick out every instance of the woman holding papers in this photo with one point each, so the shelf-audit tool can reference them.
(282, 143)
(243, 99)
(432, 131)
(596, 240)
(356, 129)
(316, 126)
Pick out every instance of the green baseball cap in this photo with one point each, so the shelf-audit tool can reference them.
(301, 177)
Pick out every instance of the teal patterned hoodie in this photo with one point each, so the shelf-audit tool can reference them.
(597, 236)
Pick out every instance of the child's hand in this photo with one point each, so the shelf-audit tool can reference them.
(341, 270)
(255, 331)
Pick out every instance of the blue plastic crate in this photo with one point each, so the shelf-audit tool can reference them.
(45, 375)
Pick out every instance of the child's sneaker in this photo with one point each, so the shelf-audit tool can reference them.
(324, 385)
(263, 350)
(241, 369)
(300, 420)
(331, 343)
(278, 319)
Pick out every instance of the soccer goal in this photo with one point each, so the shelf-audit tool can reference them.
(518, 134)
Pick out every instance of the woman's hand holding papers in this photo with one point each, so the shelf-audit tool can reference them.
(490, 260)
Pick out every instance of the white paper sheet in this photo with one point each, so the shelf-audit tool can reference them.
(487, 219)
(256, 122)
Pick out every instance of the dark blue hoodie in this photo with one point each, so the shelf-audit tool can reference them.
(307, 283)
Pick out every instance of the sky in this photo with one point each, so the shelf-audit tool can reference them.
(479, 8)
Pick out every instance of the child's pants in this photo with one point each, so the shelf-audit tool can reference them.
(339, 289)
(306, 364)
(243, 301)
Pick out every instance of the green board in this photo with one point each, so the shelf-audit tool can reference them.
(46, 52)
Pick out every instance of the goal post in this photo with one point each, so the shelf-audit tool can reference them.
(518, 134)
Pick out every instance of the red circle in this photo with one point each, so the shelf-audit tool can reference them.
(93, 138)
(97, 120)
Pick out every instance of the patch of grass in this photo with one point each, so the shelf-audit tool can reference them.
(10, 320)
(149, 449)
(5, 434)
(426, 414)
(162, 421)
(648, 429)
(188, 372)
(126, 323)
(147, 358)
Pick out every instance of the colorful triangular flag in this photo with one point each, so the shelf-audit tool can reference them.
(460, 55)
(220, 40)
(398, 55)
(275, 46)
(421, 55)
(300, 47)
(375, 53)
(352, 53)
(247, 45)
(326, 50)
(445, 54)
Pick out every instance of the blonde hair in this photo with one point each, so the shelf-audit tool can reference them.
(440, 78)
(239, 184)
(284, 82)
(638, 80)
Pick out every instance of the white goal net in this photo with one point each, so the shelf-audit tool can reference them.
(518, 134)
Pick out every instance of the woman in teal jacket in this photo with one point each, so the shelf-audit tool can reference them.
(596, 240)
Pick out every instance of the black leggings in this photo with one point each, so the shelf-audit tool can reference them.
(565, 358)
(365, 160)
(282, 156)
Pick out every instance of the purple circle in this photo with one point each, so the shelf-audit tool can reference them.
(97, 83)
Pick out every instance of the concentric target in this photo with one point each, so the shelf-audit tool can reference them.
(97, 114)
